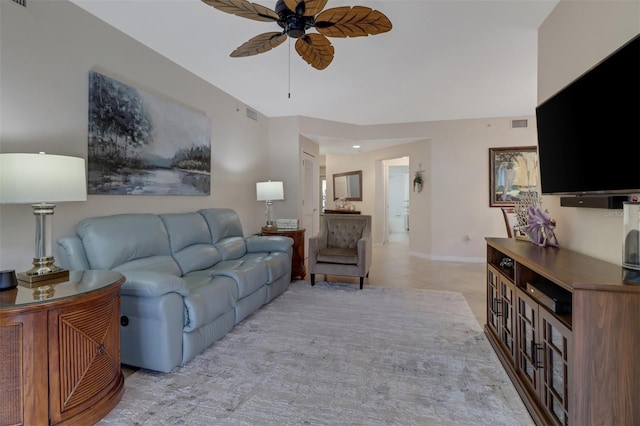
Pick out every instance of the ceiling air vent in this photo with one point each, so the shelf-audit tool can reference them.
(516, 124)
(252, 114)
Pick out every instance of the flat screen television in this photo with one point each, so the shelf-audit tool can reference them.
(589, 132)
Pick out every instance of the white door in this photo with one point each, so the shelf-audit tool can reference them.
(310, 199)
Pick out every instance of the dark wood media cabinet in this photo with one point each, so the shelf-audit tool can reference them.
(579, 368)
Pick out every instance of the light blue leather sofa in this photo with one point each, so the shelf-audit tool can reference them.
(190, 277)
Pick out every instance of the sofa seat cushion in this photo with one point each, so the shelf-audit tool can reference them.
(345, 256)
(209, 297)
(161, 264)
(278, 263)
(249, 274)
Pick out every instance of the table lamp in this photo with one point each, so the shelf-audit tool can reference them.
(42, 180)
(268, 192)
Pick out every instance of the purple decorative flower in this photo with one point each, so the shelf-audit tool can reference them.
(540, 227)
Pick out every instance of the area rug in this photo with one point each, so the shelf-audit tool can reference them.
(336, 355)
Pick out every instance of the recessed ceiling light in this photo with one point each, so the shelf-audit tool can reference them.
(356, 146)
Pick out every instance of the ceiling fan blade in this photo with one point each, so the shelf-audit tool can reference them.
(259, 44)
(306, 7)
(356, 21)
(245, 9)
(316, 49)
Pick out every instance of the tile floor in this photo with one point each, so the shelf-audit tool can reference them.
(392, 266)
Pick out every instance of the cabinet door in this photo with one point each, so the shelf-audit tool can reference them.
(493, 300)
(507, 318)
(543, 354)
(528, 353)
(555, 338)
(84, 356)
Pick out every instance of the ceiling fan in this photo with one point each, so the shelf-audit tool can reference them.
(295, 17)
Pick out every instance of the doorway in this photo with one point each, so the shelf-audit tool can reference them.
(311, 197)
(398, 201)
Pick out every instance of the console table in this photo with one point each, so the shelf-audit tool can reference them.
(60, 351)
(297, 262)
(576, 366)
(328, 211)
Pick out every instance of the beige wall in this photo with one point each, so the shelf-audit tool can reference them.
(451, 216)
(577, 35)
(47, 50)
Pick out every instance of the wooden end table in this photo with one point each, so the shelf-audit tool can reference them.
(60, 351)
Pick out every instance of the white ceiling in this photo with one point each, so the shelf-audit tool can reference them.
(442, 60)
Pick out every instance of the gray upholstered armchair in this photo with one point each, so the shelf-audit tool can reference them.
(341, 247)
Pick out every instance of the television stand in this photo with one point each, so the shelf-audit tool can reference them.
(577, 367)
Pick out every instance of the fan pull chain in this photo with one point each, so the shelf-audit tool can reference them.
(289, 40)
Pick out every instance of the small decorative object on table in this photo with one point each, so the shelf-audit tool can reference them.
(506, 262)
(521, 208)
(540, 227)
(287, 223)
(8, 279)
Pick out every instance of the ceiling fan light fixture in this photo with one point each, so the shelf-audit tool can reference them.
(295, 26)
(295, 17)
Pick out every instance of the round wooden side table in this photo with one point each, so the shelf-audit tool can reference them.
(60, 351)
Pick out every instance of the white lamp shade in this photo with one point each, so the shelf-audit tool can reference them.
(41, 178)
(269, 191)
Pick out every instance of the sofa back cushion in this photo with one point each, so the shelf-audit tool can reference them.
(226, 232)
(190, 241)
(127, 241)
(222, 223)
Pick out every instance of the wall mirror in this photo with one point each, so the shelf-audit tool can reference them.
(348, 186)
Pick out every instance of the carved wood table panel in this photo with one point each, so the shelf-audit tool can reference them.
(60, 351)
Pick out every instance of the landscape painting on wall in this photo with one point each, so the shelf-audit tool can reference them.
(513, 173)
(143, 144)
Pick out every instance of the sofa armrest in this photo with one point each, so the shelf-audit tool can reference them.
(71, 254)
(269, 243)
(365, 252)
(317, 242)
(152, 284)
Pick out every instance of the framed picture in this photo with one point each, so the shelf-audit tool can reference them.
(144, 144)
(513, 171)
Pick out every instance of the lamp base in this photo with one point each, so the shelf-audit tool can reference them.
(43, 272)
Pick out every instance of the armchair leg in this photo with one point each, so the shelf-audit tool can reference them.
(361, 282)
(313, 279)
